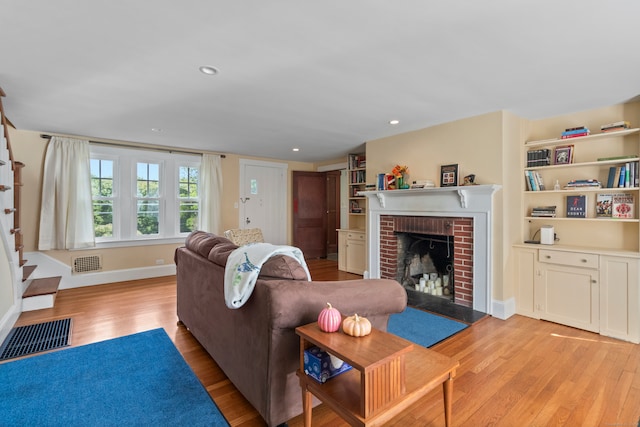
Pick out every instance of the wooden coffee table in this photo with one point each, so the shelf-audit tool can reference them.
(389, 374)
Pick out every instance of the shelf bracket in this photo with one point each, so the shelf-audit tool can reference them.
(463, 197)
(381, 199)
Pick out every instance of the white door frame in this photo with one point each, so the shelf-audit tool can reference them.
(279, 226)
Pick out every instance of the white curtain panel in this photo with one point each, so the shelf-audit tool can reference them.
(66, 216)
(210, 193)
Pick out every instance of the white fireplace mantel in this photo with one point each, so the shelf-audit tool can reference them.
(474, 201)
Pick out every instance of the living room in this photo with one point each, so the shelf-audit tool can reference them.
(484, 140)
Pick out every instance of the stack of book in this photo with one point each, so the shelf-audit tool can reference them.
(624, 176)
(575, 132)
(534, 181)
(540, 157)
(544, 212)
(613, 127)
(583, 183)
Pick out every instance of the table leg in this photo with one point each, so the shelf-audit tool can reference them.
(447, 388)
(306, 406)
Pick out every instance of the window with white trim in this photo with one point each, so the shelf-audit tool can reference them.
(143, 195)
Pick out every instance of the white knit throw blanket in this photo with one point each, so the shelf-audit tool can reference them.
(243, 268)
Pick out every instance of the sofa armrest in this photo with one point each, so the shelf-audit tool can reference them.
(295, 303)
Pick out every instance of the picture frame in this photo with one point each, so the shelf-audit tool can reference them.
(449, 175)
(563, 155)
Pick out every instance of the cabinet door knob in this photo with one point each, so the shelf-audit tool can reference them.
(548, 256)
(583, 260)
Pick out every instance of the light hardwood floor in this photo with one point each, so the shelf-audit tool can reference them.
(518, 372)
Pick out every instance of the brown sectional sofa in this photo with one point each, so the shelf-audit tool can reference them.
(256, 345)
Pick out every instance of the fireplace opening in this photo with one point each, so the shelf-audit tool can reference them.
(426, 264)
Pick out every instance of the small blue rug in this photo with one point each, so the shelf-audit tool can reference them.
(136, 380)
(423, 328)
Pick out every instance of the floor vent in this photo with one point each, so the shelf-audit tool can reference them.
(24, 340)
(85, 264)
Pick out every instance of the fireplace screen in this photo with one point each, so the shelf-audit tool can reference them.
(426, 263)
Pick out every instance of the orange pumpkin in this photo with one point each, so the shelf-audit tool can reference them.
(356, 326)
(329, 319)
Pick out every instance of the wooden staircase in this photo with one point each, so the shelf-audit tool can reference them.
(36, 293)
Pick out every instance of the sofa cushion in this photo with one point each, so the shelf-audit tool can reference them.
(220, 252)
(202, 242)
(282, 267)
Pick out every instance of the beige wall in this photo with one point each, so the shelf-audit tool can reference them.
(29, 148)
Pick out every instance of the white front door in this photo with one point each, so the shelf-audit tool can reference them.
(263, 199)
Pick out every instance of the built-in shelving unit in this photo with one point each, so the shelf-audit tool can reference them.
(589, 277)
(352, 239)
(357, 183)
(625, 145)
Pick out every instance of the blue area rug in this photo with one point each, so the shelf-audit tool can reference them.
(423, 328)
(136, 380)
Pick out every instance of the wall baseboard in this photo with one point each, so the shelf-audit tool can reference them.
(48, 267)
(504, 309)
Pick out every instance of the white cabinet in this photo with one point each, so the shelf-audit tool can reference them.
(591, 290)
(566, 289)
(619, 297)
(352, 251)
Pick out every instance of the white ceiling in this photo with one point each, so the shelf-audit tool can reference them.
(324, 76)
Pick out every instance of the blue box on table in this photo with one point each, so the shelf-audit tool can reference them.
(320, 366)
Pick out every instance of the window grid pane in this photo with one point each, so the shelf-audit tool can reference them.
(148, 217)
(102, 184)
(188, 208)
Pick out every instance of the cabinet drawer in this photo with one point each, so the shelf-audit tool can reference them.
(359, 236)
(573, 259)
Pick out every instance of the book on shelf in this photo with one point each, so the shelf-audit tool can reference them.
(622, 205)
(563, 155)
(577, 206)
(357, 161)
(534, 181)
(603, 159)
(583, 183)
(610, 127)
(543, 212)
(604, 205)
(612, 176)
(541, 157)
(575, 135)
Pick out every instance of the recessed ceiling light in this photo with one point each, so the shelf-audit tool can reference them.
(206, 69)
(394, 122)
(296, 149)
(156, 129)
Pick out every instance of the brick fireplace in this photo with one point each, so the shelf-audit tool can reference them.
(458, 229)
(467, 209)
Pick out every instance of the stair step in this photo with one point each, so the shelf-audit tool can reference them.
(27, 270)
(42, 286)
(41, 293)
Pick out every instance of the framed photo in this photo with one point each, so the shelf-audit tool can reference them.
(563, 155)
(449, 175)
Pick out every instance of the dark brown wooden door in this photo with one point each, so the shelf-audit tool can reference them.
(309, 213)
(333, 211)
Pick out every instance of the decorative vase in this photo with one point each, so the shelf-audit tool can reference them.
(400, 182)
